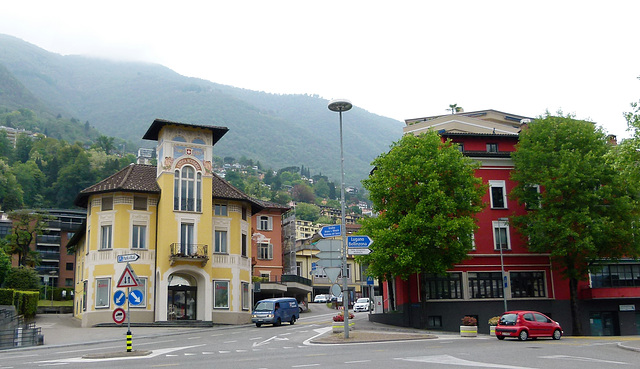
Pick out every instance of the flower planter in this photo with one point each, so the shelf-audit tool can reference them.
(468, 331)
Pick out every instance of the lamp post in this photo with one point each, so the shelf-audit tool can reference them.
(53, 273)
(504, 280)
(341, 105)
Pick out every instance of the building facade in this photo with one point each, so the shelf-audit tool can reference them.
(474, 287)
(190, 229)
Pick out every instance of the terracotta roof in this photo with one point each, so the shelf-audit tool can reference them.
(133, 178)
(156, 126)
(273, 205)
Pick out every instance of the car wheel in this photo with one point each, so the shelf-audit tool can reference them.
(293, 320)
(258, 325)
(500, 337)
(523, 335)
(556, 334)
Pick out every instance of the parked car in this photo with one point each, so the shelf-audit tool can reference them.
(275, 311)
(362, 304)
(321, 299)
(527, 324)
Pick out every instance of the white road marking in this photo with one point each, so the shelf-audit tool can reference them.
(154, 353)
(577, 358)
(450, 360)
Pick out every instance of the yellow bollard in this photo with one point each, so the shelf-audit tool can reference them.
(129, 341)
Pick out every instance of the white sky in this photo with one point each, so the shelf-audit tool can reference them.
(400, 59)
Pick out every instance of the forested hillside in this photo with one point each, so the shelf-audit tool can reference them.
(121, 99)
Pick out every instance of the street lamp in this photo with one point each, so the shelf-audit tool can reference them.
(504, 278)
(341, 105)
(53, 274)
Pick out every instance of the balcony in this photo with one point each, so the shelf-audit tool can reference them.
(189, 252)
(609, 293)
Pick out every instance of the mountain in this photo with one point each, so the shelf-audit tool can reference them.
(121, 99)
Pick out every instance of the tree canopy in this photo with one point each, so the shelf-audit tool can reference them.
(427, 196)
(581, 208)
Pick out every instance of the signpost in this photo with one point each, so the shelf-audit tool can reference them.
(358, 251)
(359, 241)
(119, 315)
(127, 258)
(333, 230)
(127, 279)
(330, 255)
(135, 297)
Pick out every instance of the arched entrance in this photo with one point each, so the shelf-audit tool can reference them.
(182, 297)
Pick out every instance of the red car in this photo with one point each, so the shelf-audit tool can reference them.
(525, 324)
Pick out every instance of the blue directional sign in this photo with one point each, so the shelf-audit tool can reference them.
(331, 231)
(359, 241)
(119, 297)
(313, 266)
(369, 281)
(135, 297)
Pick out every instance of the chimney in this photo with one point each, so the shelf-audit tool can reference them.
(612, 140)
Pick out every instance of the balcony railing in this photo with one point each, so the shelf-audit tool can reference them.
(48, 239)
(189, 252)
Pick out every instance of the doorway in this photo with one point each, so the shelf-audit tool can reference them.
(182, 298)
(603, 323)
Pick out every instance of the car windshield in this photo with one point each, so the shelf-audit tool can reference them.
(508, 319)
(264, 306)
(363, 300)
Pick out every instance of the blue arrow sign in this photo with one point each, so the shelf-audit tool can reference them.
(135, 297)
(330, 231)
(359, 241)
(119, 297)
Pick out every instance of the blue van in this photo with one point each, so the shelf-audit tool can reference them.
(275, 311)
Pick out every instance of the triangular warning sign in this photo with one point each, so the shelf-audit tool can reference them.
(128, 278)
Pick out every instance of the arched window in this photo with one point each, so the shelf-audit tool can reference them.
(187, 190)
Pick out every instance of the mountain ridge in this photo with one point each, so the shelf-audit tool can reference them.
(122, 98)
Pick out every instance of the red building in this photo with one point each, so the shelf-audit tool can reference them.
(475, 286)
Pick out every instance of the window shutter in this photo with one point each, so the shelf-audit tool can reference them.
(270, 224)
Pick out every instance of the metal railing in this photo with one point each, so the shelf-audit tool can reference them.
(189, 250)
(28, 335)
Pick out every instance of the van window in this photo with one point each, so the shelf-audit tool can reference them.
(264, 306)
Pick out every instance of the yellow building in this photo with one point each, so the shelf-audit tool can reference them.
(190, 228)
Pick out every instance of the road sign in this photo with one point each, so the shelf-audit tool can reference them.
(331, 231)
(119, 315)
(359, 241)
(336, 290)
(314, 266)
(328, 263)
(369, 281)
(329, 255)
(329, 245)
(135, 297)
(127, 258)
(358, 251)
(119, 298)
(332, 273)
(128, 278)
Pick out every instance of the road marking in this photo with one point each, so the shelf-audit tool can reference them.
(276, 338)
(451, 360)
(230, 342)
(153, 354)
(578, 358)
(304, 365)
(357, 361)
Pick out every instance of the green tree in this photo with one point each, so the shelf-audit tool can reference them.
(24, 143)
(26, 226)
(303, 193)
(10, 191)
(5, 261)
(586, 209)
(105, 143)
(428, 198)
(22, 278)
(307, 212)
(281, 197)
(73, 178)
(6, 147)
(31, 180)
(321, 188)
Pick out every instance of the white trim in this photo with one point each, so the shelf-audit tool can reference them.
(498, 224)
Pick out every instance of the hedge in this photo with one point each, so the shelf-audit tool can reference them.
(26, 302)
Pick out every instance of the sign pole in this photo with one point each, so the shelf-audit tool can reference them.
(129, 335)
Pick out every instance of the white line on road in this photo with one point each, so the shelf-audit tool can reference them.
(577, 358)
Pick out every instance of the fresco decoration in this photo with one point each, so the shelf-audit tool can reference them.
(194, 152)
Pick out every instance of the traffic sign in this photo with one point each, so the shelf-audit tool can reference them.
(332, 273)
(119, 297)
(329, 255)
(334, 230)
(135, 297)
(329, 245)
(127, 258)
(358, 251)
(128, 278)
(119, 315)
(328, 263)
(369, 281)
(313, 266)
(359, 241)
(336, 290)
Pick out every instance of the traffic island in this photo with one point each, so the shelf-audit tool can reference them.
(370, 336)
(110, 355)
